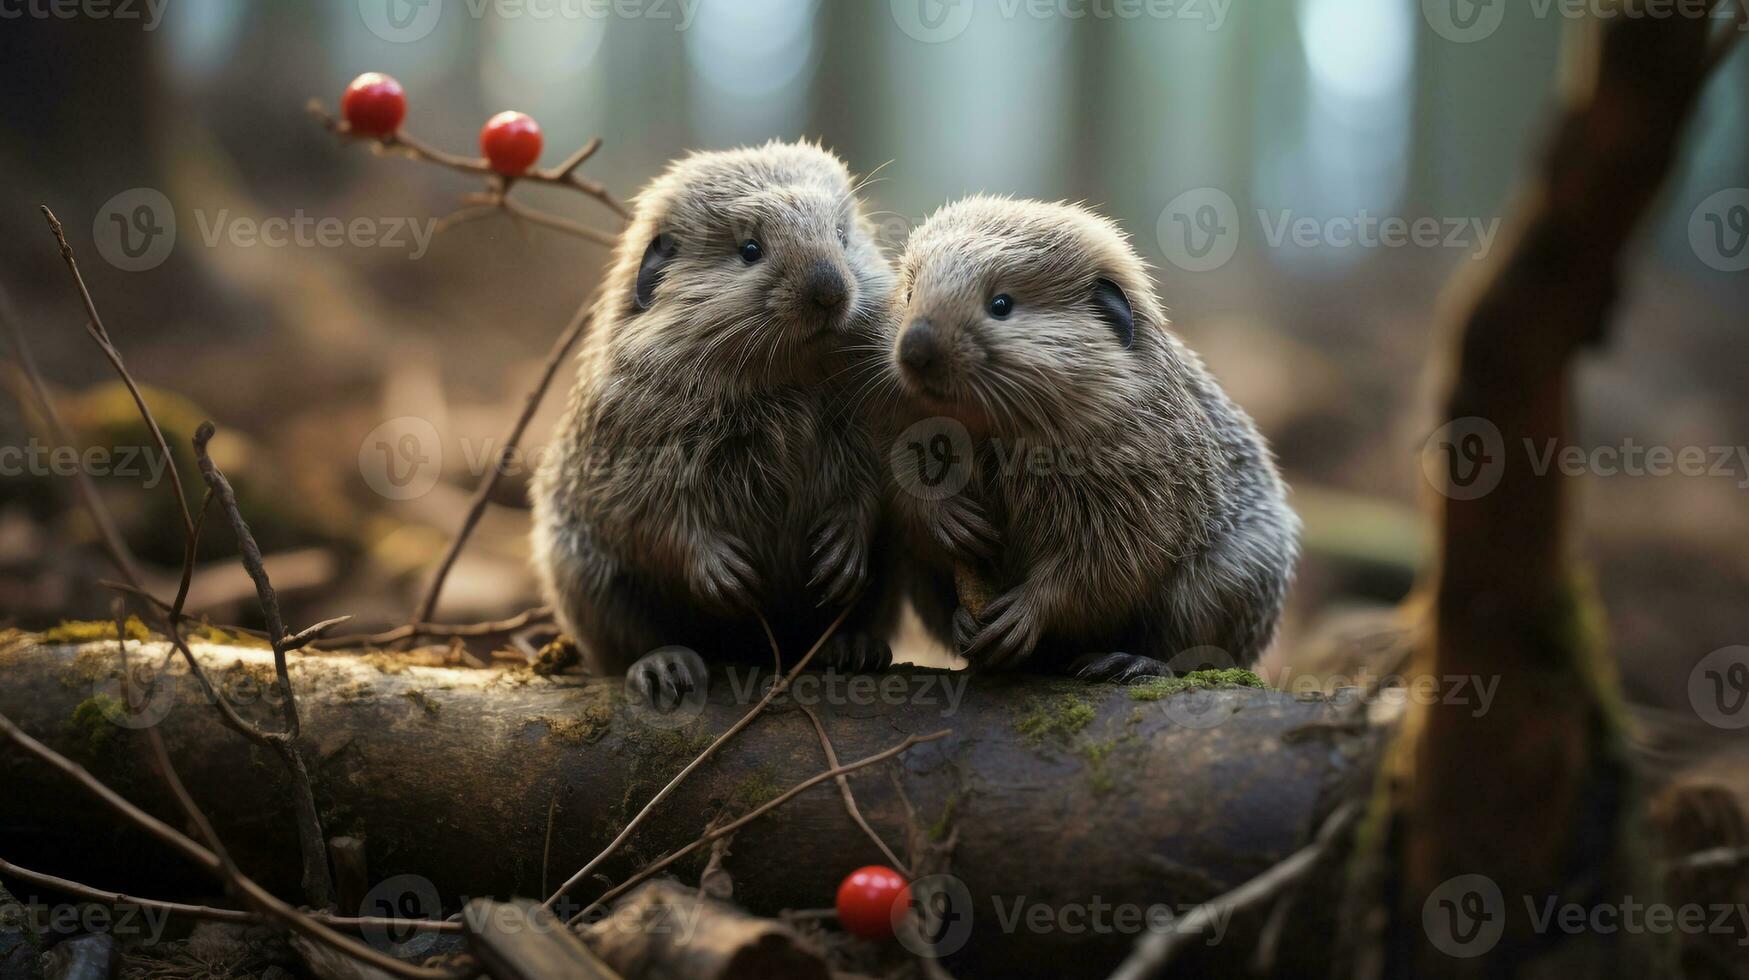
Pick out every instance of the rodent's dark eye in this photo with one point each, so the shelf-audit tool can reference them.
(1001, 306)
(751, 251)
(843, 236)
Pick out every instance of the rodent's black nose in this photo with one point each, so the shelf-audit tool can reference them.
(920, 347)
(825, 287)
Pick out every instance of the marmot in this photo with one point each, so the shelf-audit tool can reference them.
(1118, 508)
(710, 464)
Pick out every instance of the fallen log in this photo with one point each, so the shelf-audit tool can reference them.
(1074, 811)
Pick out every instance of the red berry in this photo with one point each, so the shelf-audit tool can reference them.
(511, 142)
(871, 899)
(374, 104)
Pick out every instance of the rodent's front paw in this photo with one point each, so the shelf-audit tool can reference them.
(856, 653)
(959, 526)
(661, 678)
(724, 578)
(1010, 632)
(965, 627)
(840, 556)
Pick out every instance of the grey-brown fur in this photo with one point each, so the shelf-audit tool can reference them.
(708, 464)
(1121, 507)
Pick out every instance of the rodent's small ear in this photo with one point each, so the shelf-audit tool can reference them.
(1113, 307)
(656, 258)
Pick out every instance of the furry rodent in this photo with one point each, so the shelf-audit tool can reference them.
(709, 466)
(1118, 509)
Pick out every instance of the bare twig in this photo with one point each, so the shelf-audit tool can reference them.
(82, 483)
(782, 684)
(318, 882)
(207, 912)
(311, 634)
(734, 825)
(1155, 951)
(94, 326)
(254, 893)
(483, 493)
(534, 615)
(849, 797)
(496, 198)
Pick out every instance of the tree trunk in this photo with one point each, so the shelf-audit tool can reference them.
(1072, 808)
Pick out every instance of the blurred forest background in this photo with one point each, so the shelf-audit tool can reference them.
(1156, 113)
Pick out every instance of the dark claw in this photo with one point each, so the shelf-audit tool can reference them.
(857, 653)
(840, 564)
(726, 579)
(1119, 667)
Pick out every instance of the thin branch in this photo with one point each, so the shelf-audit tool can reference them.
(1156, 950)
(564, 175)
(735, 825)
(311, 634)
(317, 881)
(781, 685)
(94, 326)
(531, 616)
(82, 482)
(483, 493)
(254, 893)
(849, 797)
(91, 894)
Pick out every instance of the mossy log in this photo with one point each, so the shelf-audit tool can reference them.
(1072, 809)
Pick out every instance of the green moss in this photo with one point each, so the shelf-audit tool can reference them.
(1060, 717)
(15, 925)
(219, 636)
(418, 697)
(759, 788)
(1155, 688)
(93, 631)
(944, 824)
(385, 663)
(593, 720)
(1097, 754)
(92, 721)
(569, 731)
